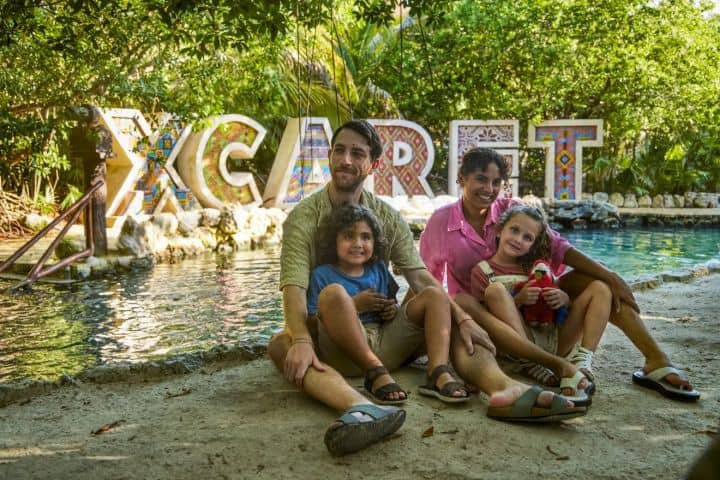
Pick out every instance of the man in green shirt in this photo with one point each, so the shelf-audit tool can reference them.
(354, 152)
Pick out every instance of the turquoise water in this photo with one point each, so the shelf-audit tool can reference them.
(209, 300)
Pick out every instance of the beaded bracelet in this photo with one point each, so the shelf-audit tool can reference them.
(464, 320)
(302, 340)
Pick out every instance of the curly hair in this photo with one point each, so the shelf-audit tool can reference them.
(341, 219)
(479, 158)
(541, 247)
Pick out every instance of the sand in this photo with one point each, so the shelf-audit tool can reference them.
(245, 421)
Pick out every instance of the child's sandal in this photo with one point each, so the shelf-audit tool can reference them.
(445, 394)
(382, 395)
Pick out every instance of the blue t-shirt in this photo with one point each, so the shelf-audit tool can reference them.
(375, 276)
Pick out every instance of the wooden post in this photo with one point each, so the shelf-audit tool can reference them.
(91, 142)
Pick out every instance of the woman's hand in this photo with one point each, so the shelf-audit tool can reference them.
(472, 334)
(555, 297)
(527, 296)
(371, 301)
(621, 292)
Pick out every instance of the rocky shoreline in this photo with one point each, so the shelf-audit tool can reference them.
(228, 355)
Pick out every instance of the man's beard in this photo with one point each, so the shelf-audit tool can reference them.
(350, 187)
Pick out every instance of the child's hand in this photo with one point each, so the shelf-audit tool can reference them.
(555, 297)
(527, 296)
(389, 312)
(371, 301)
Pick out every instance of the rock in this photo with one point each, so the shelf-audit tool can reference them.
(586, 196)
(600, 197)
(124, 262)
(209, 217)
(166, 223)
(36, 222)
(423, 204)
(617, 199)
(188, 221)
(533, 201)
(579, 224)
(678, 201)
(630, 201)
(98, 265)
(690, 198)
(658, 201)
(257, 223)
(242, 240)
(645, 201)
(442, 200)
(668, 201)
(713, 200)
(206, 235)
(700, 201)
(133, 239)
(185, 246)
(70, 245)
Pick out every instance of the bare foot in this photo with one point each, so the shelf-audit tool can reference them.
(509, 396)
(568, 370)
(671, 378)
(386, 379)
(444, 379)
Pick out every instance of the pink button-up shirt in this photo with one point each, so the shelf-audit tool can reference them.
(450, 244)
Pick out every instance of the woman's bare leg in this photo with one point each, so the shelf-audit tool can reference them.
(629, 321)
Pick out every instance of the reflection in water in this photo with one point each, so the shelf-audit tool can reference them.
(209, 300)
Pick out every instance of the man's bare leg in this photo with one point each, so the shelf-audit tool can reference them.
(328, 387)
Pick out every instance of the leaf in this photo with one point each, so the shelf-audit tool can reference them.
(107, 427)
(429, 432)
(184, 391)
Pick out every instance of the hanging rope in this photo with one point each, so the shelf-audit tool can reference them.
(299, 92)
(347, 87)
(334, 78)
(425, 50)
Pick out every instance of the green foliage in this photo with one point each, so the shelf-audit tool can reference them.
(649, 69)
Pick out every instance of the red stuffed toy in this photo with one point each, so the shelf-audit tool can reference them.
(539, 314)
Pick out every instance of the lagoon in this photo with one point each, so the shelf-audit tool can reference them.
(213, 300)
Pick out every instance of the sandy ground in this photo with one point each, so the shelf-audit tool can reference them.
(246, 422)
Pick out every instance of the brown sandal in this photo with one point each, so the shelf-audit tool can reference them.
(445, 394)
(382, 394)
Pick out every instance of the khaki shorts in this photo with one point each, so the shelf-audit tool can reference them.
(394, 342)
(546, 337)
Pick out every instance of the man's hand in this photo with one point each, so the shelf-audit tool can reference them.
(371, 301)
(527, 296)
(299, 358)
(472, 334)
(555, 298)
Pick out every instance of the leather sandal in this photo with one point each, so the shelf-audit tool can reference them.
(381, 395)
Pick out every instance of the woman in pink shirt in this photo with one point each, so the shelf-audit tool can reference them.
(461, 234)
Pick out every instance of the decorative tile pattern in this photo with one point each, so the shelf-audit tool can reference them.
(564, 141)
(406, 159)
(301, 162)
(500, 135)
